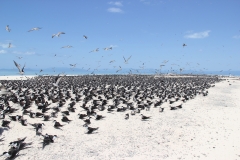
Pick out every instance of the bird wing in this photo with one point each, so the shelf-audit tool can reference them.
(60, 33)
(129, 58)
(124, 58)
(58, 80)
(23, 68)
(17, 65)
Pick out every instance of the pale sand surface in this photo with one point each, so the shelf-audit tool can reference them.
(15, 77)
(205, 128)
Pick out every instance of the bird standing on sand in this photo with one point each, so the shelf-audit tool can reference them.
(145, 117)
(89, 130)
(21, 71)
(17, 144)
(11, 154)
(127, 116)
(6, 124)
(48, 139)
(57, 125)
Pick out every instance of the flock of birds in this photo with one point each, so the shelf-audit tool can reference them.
(55, 98)
(126, 60)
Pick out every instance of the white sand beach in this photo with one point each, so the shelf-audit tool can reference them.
(204, 128)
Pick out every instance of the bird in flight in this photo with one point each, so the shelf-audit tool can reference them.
(107, 48)
(85, 36)
(96, 50)
(9, 45)
(67, 46)
(7, 28)
(120, 68)
(126, 60)
(58, 34)
(21, 71)
(73, 65)
(57, 80)
(112, 61)
(34, 29)
(184, 45)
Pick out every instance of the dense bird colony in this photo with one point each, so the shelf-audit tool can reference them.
(51, 100)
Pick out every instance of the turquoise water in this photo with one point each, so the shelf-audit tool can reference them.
(8, 72)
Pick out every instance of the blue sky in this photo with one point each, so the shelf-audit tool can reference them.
(150, 31)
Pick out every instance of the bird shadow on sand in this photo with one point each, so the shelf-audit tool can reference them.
(15, 156)
(92, 133)
(2, 130)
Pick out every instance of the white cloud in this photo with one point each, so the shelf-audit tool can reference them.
(2, 51)
(236, 36)
(4, 45)
(119, 4)
(203, 34)
(24, 53)
(114, 10)
(113, 46)
(145, 1)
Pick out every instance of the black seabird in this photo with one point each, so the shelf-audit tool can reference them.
(38, 127)
(127, 116)
(89, 130)
(65, 119)
(17, 144)
(11, 154)
(145, 117)
(48, 139)
(87, 121)
(65, 113)
(24, 122)
(57, 125)
(82, 116)
(6, 124)
(98, 117)
(15, 118)
(46, 117)
(161, 109)
(32, 114)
